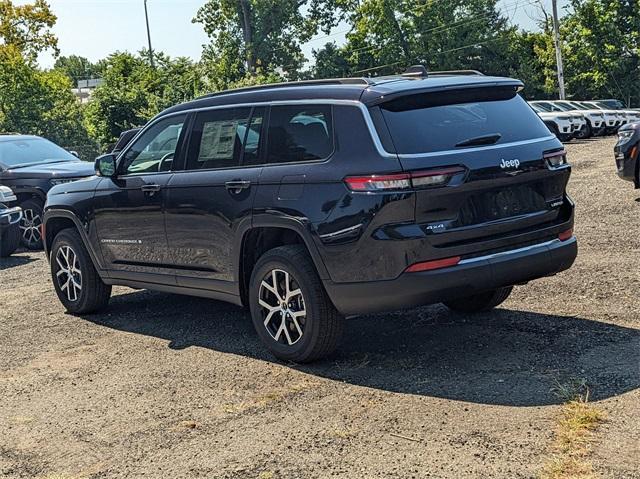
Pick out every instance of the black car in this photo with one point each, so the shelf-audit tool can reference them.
(30, 166)
(10, 215)
(627, 152)
(308, 202)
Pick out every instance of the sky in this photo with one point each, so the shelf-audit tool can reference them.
(96, 28)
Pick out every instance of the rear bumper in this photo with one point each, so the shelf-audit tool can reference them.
(470, 276)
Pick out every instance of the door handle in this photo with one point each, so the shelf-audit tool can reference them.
(236, 186)
(150, 188)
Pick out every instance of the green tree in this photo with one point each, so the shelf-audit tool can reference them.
(601, 49)
(40, 103)
(76, 68)
(389, 35)
(27, 27)
(260, 37)
(132, 92)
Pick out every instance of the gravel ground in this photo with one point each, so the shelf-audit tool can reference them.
(170, 386)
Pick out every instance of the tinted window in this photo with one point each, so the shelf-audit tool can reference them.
(218, 138)
(30, 151)
(436, 122)
(155, 149)
(300, 133)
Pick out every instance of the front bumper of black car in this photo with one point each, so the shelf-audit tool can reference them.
(468, 277)
(10, 216)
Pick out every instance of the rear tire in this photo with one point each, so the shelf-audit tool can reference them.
(74, 277)
(30, 224)
(290, 309)
(9, 241)
(481, 302)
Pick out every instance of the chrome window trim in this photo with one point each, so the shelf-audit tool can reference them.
(358, 104)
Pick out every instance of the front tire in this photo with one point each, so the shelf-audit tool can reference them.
(30, 224)
(481, 302)
(290, 309)
(585, 132)
(74, 277)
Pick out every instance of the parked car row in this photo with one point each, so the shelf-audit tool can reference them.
(569, 119)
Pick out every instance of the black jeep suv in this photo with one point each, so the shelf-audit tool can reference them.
(30, 166)
(311, 201)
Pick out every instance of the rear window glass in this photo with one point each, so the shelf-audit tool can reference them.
(432, 122)
(300, 133)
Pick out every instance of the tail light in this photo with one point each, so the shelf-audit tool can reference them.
(565, 235)
(402, 181)
(434, 264)
(556, 159)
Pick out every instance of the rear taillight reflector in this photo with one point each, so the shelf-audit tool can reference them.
(436, 177)
(378, 182)
(565, 235)
(401, 181)
(434, 264)
(556, 159)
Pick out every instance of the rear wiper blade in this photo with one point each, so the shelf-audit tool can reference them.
(480, 140)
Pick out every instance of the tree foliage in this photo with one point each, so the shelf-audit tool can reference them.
(602, 49)
(133, 91)
(77, 68)
(39, 103)
(388, 35)
(257, 38)
(28, 27)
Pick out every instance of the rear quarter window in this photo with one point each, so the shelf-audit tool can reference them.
(433, 122)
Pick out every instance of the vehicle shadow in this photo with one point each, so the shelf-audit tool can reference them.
(506, 357)
(11, 261)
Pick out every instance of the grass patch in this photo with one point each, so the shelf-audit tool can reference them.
(574, 435)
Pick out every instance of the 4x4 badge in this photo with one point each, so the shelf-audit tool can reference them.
(504, 164)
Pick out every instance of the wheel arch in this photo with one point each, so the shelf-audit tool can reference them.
(24, 194)
(263, 236)
(57, 220)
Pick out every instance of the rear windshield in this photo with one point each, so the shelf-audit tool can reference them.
(433, 122)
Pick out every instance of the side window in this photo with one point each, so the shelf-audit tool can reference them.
(300, 133)
(218, 136)
(155, 149)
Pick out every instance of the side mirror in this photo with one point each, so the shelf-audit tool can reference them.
(74, 153)
(106, 165)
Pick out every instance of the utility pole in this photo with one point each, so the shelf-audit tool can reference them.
(556, 41)
(146, 16)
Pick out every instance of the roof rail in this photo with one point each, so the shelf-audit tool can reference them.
(328, 81)
(457, 72)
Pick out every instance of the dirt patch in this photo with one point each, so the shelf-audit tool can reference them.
(169, 386)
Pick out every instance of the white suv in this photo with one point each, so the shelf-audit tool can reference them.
(631, 116)
(564, 125)
(601, 121)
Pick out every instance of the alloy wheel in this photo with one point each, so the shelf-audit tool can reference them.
(68, 275)
(30, 227)
(283, 307)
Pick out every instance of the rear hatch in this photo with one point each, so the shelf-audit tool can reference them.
(495, 152)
